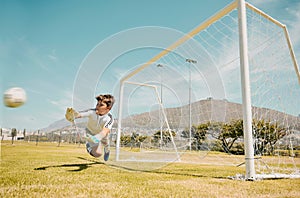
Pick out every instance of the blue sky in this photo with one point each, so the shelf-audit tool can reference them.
(44, 42)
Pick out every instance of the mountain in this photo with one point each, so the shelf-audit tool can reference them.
(57, 125)
(208, 110)
(202, 111)
(62, 124)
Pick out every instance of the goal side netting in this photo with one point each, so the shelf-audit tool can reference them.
(185, 104)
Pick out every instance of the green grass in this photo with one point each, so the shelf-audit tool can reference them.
(46, 170)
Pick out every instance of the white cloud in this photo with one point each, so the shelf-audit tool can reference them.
(294, 24)
(64, 101)
(287, 12)
(264, 2)
(53, 55)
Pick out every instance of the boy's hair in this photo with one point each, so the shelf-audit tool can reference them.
(108, 99)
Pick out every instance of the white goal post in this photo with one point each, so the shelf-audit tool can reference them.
(242, 7)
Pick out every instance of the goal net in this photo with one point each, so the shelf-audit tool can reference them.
(185, 104)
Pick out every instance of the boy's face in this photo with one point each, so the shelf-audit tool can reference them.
(101, 108)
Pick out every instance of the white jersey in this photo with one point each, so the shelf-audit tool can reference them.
(96, 122)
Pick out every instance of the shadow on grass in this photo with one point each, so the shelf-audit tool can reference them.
(164, 172)
(83, 166)
(78, 166)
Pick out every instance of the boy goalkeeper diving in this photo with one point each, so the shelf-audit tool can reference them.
(98, 127)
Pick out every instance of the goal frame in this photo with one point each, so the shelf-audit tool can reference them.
(241, 5)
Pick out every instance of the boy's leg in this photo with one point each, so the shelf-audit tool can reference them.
(93, 149)
(98, 150)
(105, 144)
(93, 145)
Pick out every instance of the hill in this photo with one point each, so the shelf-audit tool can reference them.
(63, 124)
(209, 110)
(202, 111)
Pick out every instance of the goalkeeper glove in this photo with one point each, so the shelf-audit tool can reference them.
(71, 114)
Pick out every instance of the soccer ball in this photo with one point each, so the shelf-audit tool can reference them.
(14, 97)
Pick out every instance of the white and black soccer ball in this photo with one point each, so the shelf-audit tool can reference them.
(14, 97)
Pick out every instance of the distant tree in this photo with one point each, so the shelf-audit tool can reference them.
(136, 140)
(266, 136)
(140, 139)
(199, 135)
(185, 133)
(59, 138)
(230, 133)
(125, 139)
(133, 139)
(37, 137)
(226, 133)
(214, 129)
(24, 133)
(165, 135)
(13, 134)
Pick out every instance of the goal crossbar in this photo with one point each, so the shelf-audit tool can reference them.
(207, 23)
(288, 40)
(186, 37)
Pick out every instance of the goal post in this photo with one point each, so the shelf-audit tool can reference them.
(246, 93)
(237, 48)
(164, 52)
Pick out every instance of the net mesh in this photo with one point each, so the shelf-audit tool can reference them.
(171, 92)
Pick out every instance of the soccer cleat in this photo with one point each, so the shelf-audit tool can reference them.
(106, 153)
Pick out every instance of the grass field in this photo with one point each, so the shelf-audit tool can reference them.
(46, 170)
